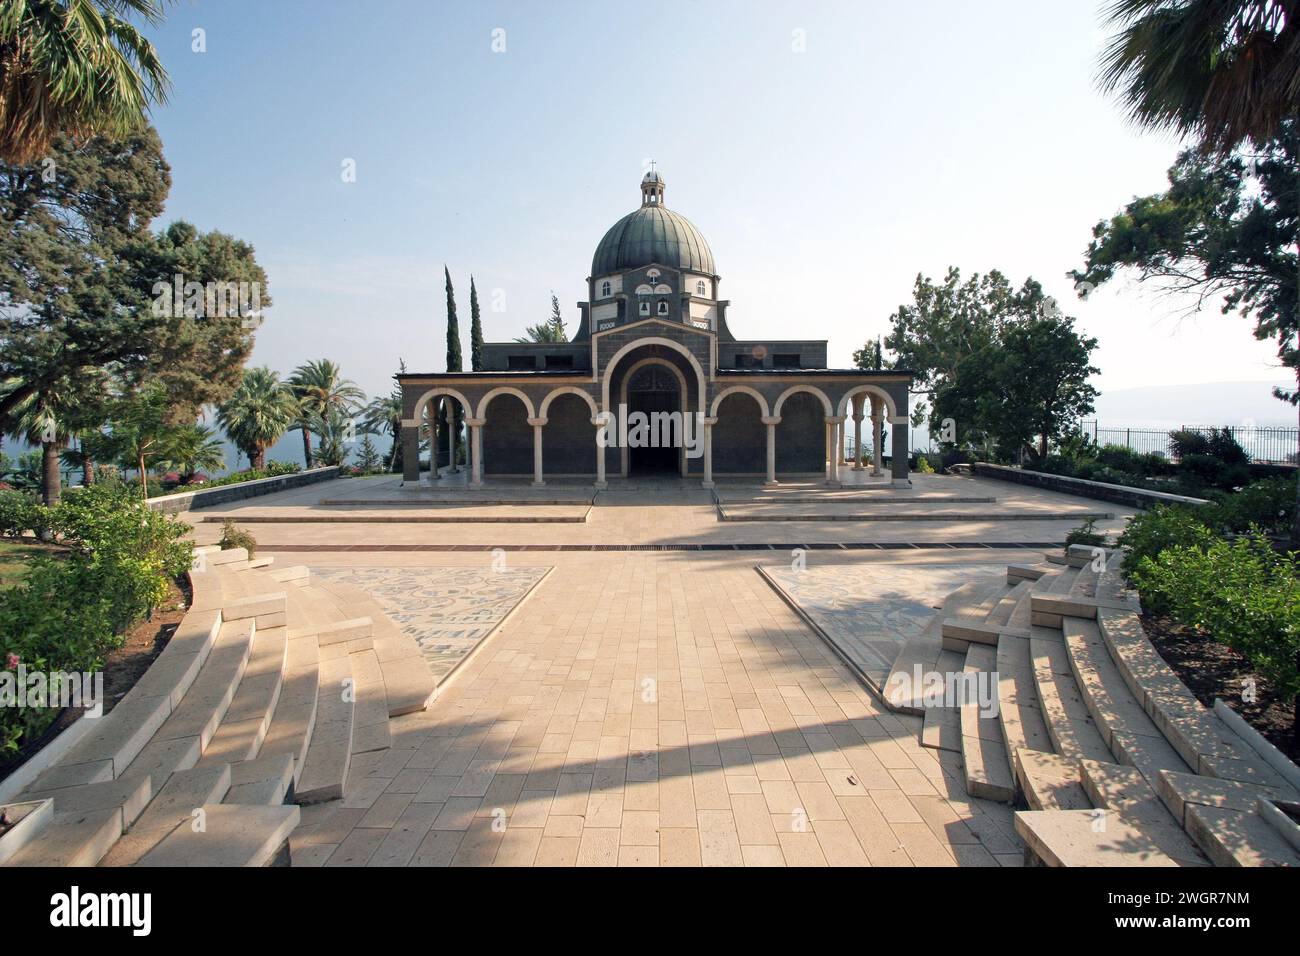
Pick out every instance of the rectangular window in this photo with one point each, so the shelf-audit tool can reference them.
(521, 363)
(785, 360)
(559, 361)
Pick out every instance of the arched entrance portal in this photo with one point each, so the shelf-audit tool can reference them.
(654, 390)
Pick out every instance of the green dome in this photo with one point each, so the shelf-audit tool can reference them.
(652, 234)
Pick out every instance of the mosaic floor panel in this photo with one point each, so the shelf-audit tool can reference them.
(448, 610)
(871, 610)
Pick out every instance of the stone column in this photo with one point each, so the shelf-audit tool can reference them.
(537, 424)
(451, 442)
(832, 453)
(598, 421)
(771, 423)
(708, 424)
(411, 451)
(857, 432)
(898, 457)
(877, 437)
(475, 451)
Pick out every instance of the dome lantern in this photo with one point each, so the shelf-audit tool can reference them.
(652, 187)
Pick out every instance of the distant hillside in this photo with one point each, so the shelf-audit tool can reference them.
(1205, 403)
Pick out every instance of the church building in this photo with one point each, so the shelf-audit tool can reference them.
(654, 345)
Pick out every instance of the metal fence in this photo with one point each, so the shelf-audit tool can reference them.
(1266, 444)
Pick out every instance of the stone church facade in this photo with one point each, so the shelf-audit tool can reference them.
(654, 340)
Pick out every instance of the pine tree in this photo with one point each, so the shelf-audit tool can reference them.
(475, 331)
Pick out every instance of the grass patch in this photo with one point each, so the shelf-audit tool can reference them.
(16, 558)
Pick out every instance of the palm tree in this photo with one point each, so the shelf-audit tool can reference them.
(259, 411)
(1222, 72)
(383, 416)
(321, 390)
(41, 420)
(335, 429)
(76, 67)
(191, 449)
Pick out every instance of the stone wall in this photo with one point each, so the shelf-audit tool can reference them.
(1097, 490)
(206, 498)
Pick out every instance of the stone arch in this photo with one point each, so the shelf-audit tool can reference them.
(624, 457)
(876, 391)
(567, 390)
(701, 381)
(504, 390)
(793, 389)
(731, 390)
(439, 392)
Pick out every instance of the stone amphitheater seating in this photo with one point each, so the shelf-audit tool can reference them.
(270, 685)
(1115, 760)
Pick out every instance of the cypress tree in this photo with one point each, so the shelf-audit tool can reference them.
(475, 331)
(454, 364)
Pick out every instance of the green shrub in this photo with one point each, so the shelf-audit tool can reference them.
(20, 512)
(233, 536)
(923, 466)
(1268, 504)
(1163, 527)
(1241, 593)
(1086, 533)
(67, 614)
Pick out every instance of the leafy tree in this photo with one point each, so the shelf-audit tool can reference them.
(260, 411)
(74, 66)
(949, 321)
(321, 389)
(1031, 385)
(141, 433)
(1220, 71)
(71, 297)
(1218, 232)
(475, 330)
(871, 356)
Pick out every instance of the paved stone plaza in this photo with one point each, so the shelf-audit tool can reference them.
(647, 707)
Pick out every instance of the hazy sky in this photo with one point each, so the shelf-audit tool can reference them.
(902, 138)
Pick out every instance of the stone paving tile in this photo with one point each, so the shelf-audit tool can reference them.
(656, 709)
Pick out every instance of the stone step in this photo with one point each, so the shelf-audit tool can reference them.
(1061, 703)
(202, 709)
(370, 712)
(78, 838)
(941, 729)
(984, 752)
(266, 781)
(1125, 791)
(1000, 615)
(1094, 837)
(1024, 572)
(408, 683)
(1130, 734)
(1019, 714)
(244, 726)
(329, 753)
(959, 632)
(923, 650)
(1049, 781)
(174, 804)
(129, 794)
(231, 835)
(295, 713)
